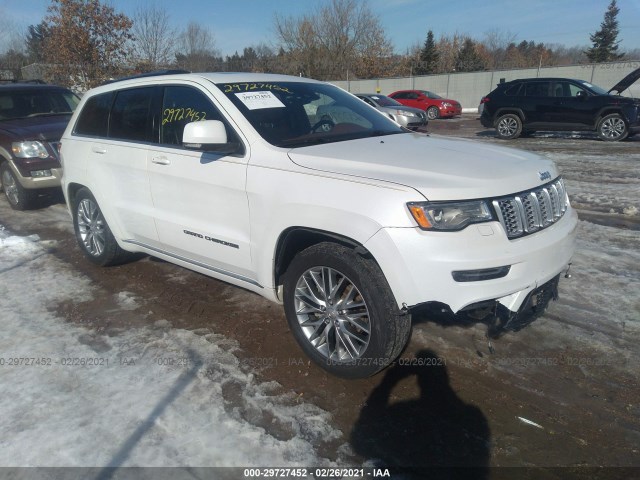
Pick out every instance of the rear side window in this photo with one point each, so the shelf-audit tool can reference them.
(131, 117)
(538, 89)
(513, 90)
(94, 118)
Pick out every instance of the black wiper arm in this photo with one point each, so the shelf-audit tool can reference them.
(303, 142)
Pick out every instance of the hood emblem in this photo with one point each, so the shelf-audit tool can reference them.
(544, 175)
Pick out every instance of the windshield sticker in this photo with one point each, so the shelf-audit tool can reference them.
(246, 87)
(258, 100)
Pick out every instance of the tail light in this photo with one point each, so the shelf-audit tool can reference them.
(484, 100)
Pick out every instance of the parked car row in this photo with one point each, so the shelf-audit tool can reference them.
(303, 193)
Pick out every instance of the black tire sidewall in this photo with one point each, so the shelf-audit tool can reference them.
(432, 109)
(381, 311)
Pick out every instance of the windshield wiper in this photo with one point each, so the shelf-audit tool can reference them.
(303, 142)
(46, 114)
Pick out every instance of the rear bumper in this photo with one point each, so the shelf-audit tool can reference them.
(486, 121)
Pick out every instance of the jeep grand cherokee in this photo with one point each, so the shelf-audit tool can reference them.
(299, 191)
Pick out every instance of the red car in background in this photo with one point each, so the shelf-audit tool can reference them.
(434, 105)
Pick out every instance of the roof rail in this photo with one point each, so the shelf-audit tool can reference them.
(33, 80)
(147, 74)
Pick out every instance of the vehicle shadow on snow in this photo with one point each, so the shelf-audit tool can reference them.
(437, 434)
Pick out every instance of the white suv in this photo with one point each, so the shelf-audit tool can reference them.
(299, 191)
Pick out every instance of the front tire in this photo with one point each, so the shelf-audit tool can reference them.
(612, 128)
(509, 126)
(19, 198)
(433, 113)
(341, 311)
(93, 234)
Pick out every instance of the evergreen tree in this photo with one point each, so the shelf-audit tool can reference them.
(468, 59)
(428, 57)
(34, 40)
(605, 41)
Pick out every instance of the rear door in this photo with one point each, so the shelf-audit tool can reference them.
(114, 131)
(537, 102)
(200, 203)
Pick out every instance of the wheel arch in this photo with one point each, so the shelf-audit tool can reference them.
(505, 111)
(609, 110)
(72, 190)
(295, 239)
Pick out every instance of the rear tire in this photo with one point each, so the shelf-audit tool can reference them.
(613, 128)
(93, 234)
(341, 311)
(19, 198)
(509, 126)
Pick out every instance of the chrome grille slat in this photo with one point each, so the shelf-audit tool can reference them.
(529, 212)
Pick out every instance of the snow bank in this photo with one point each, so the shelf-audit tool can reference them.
(144, 397)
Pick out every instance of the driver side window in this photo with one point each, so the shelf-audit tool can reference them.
(182, 105)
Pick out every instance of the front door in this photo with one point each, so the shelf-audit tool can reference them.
(200, 201)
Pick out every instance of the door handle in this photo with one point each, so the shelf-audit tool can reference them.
(99, 150)
(161, 161)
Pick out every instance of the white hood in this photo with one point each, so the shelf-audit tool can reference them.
(438, 167)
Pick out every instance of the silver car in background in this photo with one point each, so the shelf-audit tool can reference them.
(409, 117)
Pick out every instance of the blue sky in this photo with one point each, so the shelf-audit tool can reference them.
(236, 24)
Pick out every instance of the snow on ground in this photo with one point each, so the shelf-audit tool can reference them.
(602, 183)
(144, 397)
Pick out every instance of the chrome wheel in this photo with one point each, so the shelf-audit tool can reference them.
(91, 227)
(433, 113)
(332, 314)
(507, 127)
(10, 187)
(612, 128)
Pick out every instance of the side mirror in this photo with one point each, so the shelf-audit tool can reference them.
(581, 95)
(207, 135)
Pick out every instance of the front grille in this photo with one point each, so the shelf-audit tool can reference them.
(528, 212)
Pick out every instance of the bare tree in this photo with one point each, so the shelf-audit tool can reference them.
(340, 36)
(87, 42)
(154, 38)
(196, 48)
(448, 49)
(496, 42)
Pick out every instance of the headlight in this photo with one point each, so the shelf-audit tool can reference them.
(406, 113)
(449, 215)
(446, 104)
(31, 149)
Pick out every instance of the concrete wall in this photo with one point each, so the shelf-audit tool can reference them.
(469, 88)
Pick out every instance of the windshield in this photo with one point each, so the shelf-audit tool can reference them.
(385, 101)
(32, 103)
(296, 114)
(595, 88)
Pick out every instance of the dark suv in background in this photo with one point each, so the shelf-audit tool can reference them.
(524, 106)
(32, 119)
